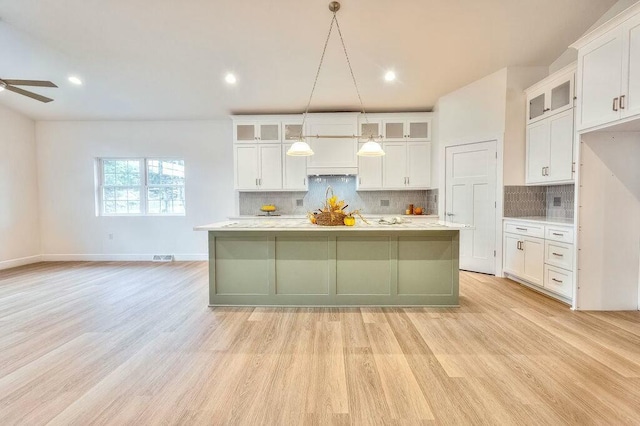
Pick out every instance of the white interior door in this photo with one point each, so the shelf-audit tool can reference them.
(470, 198)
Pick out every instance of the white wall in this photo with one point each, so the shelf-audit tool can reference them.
(609, 221)
(474, 111)
(70, 228)
(19, 232)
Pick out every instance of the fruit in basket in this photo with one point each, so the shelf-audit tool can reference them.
(268, 208)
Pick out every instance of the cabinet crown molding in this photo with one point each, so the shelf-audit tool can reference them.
(572, 67)
(607, 26)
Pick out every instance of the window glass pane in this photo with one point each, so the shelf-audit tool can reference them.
(166, 200)
(166, 172)
(110, 207)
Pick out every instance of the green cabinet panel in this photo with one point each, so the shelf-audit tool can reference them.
(363, 265)
(425, 266)
(241, 265)
(302, 265)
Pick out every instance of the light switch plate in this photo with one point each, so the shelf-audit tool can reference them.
(299, 202)
(557, 202)
(384, 203)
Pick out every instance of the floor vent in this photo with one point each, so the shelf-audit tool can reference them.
(163, 258)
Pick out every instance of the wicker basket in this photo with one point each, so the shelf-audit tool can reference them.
(330, 218)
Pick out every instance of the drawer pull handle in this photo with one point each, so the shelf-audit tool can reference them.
(558, 254)
(558, 281)
(521, 229)
(557, 234)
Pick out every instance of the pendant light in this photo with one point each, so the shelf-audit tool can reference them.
(301, 148)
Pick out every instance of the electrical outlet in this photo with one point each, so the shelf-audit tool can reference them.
(111, 236)
(384, 203)
(557, 202)
(299, 202)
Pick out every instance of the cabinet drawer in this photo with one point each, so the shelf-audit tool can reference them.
(558, 281)
(558, 233)
(524, 229)
(559, 254)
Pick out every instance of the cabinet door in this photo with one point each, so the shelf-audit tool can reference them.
(418, 164)
(291, 131)
(513, 256)
(270, 167)
(537, 152)
(246, 167)
(600, 80)
(369, 172)
(295, 171)
(394, 130)
(561, 94)
(394, 165)
(269, 132)
(417, 130)
(330, 152)
(373, 129)
(245, 133)
(561, 147)
(533, 260)
(631, 70)
(536, 107)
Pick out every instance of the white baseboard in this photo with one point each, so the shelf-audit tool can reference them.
(117, 257)
(6, 264)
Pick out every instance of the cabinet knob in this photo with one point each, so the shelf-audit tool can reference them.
(622, 101)
(615, 104)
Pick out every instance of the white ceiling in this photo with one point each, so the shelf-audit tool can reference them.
(166, 59)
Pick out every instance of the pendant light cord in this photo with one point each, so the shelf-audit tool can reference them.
(315, 81)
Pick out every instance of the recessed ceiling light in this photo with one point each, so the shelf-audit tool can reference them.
(390, 76)
(230, 78)
(75, 80)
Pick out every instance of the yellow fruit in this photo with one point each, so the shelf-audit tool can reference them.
(349, 220)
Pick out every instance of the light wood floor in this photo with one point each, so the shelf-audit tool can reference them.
(135, 343)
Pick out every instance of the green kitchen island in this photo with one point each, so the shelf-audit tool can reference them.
(284, 263)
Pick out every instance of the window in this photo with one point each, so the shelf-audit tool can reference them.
(141, 186)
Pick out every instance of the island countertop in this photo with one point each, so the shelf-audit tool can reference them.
(305, 225)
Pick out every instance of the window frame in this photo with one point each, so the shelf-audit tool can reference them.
(144, 186)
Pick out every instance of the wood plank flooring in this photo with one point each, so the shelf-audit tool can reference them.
(135, 343)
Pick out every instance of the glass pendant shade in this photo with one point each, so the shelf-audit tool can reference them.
(371, 149)
(300, 149)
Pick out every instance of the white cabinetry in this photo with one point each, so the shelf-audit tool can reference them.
(406, 165)
(550, 132)
(369, 172)
(406, 129)
(407, 160)
(546, 263)
(294, 172)
(550, 149)
(551, 96)
(608, 79)
(333, 155)
(256, 131)
(258, 167)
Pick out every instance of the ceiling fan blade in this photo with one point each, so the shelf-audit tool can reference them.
(29, 94)
(39, 83)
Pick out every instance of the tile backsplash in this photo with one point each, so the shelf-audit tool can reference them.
(372, 202)
(550, 201)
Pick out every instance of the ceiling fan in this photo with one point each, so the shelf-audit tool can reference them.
(10, 85)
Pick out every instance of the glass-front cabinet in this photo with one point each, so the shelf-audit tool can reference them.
(551, 96)
(251, 132)
(407, 130)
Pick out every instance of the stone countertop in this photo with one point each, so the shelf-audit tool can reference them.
(544, 220)
(305, 225)
(304, 216)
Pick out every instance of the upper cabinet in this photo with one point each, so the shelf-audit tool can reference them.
(608, 79)
(406, 129)
(550, 129)
(551, 96)
(255, 132)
